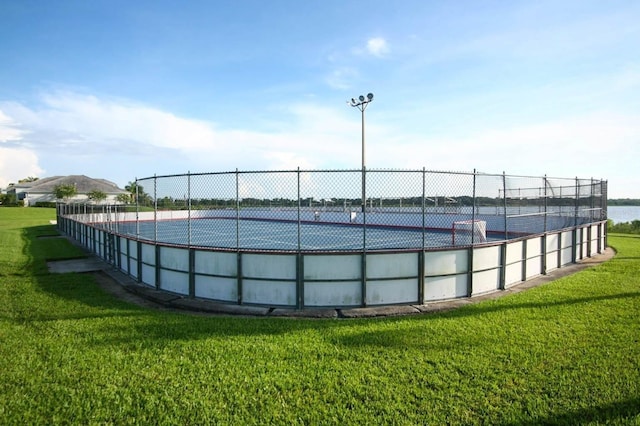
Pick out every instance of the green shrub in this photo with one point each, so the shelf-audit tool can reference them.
(47, 204)
(632, 227)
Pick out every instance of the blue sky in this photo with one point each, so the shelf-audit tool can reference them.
(122, 89)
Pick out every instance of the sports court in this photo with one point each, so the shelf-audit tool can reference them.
(286, 235)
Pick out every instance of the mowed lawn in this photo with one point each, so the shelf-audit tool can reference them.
(567, 352)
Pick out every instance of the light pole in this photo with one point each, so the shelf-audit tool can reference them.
(361, 103)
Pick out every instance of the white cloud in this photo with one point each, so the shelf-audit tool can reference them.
(16, 164)
(88, 118)
(119, 140)
(599, 145)
(9, 129)
(377, 46)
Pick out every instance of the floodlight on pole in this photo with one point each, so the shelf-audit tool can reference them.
(361, 103)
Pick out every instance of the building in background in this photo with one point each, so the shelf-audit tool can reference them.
(43, 190)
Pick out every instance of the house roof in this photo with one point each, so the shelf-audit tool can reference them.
(83, 184)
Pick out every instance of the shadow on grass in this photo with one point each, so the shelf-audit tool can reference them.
(488, 308)
(74, 295)
(415, 336)
(620, 412)
(85, 299)
(41, 231)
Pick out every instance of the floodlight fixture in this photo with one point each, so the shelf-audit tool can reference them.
(362, 105)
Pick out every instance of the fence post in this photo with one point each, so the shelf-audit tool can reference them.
(189, 208)
(155, 208)
(546, 206)
(237, 210)
(424, 239)
(504, 192)
(299, 257)
(299, 201)
(363, 260)
(473, 208)
(137, 211)
(238, 253)
(424, 207)
(471, 248)
(603, 212)
(543, 265)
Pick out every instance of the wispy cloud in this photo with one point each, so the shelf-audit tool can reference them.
(9, 129)
(77, 131)
(119, 139)
(377, 46)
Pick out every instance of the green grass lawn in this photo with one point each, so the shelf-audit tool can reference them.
(564, 353)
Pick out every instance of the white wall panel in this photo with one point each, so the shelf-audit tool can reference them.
(386, 292)
(486, 258)
(566, 256)
(148, 275)
(216, 263)
(332, 267)
(218, 288)
(446, 262)
(269, 266)
(346, 293)
(534, 267)
(534, 247)
(149, 254)
(449, 287)
(513, 274)
(124, 262)
(269, 292)
(133, 249)
(174, 258)
(392, 265)
(552, 242)
(175, 282)
(100, 244)
(124, 245)
(585, 248)
(486, 281)
(514, 252)
(552, 261)
(134, 268)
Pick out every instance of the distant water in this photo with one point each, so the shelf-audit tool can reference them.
(621, 214)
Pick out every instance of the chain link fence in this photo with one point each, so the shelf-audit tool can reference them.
(347, 210)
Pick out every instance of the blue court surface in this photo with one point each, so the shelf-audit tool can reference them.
(285, 235)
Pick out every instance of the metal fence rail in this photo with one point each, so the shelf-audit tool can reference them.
(311, 210)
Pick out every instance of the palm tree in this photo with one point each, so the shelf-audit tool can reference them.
(137, 193)
(28, 179)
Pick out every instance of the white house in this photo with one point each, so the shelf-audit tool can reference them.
(44, 189)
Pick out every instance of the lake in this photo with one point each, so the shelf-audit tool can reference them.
(621, 214)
